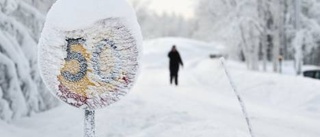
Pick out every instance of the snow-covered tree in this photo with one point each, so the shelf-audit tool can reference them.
(234, 23)
(306, 37)
(22, 91)
(262, 29)
(155, 25)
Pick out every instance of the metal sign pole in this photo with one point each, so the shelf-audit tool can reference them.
(89, 123)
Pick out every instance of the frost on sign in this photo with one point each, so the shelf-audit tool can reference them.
(89, 68)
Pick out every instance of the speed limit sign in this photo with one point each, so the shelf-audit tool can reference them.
(89, 67)
(89, 51)
(96, 69)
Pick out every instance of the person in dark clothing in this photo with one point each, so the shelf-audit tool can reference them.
(175, 62)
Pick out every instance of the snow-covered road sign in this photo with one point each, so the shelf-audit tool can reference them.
(91, 60)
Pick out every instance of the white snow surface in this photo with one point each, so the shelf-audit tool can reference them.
(85, 13)
(203, 105)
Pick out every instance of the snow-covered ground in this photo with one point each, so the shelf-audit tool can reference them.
(203, 105)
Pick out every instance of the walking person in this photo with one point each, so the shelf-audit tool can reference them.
(175, 62)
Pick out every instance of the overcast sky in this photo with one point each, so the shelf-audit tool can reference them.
(182, 7)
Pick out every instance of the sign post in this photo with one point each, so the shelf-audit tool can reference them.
(90, 60)
(89, 123)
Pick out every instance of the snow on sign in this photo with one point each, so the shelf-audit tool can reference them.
(88, 51)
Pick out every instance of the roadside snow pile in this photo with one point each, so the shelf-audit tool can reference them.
(156, 51)
(203, 105)
(291, 93)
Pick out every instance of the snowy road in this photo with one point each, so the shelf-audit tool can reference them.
(203, 105)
